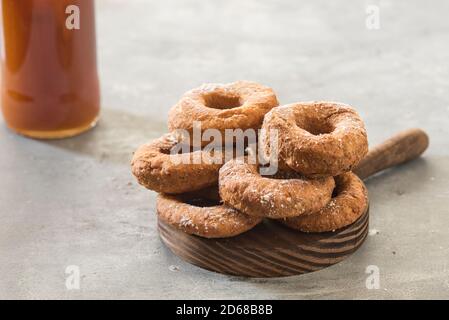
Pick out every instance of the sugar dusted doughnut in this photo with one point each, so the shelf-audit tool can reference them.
(237, 105)
(242, 187)
(156, 169)
(204, 216)
(317, 138)
(350, 201)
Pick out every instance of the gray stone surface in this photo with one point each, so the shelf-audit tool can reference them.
(74, 201)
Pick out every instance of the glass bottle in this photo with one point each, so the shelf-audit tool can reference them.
(50, 86)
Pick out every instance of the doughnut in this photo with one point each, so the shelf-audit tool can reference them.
(349, 202)
(285, 195)
(316, 138)
(156, 169)
(238, 105)
(204, 216)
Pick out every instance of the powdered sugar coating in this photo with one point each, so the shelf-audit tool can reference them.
(318, 138)
(156, 169)
(250, 101)
(349, 203)
(217, 221)
(285, 195)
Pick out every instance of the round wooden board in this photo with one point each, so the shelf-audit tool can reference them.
(268, 250)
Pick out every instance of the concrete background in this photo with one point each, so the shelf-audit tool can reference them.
(74, 201)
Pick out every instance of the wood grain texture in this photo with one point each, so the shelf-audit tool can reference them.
(402, 147)
(273, 250)
(268, 250)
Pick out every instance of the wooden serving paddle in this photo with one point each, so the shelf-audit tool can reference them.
(273, 250)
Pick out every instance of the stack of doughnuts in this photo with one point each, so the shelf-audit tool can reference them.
(313, 190)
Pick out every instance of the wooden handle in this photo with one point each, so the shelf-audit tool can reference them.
(402, 147)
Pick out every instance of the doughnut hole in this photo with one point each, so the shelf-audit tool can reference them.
(221, 101)
(337, 190)
(315, 126)
(284, 175)
(340, 185)
(208, 197)
(202, 202)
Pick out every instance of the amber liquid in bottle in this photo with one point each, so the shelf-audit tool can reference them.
(49, 85)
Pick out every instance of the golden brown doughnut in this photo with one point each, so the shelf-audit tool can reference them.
(242, 187)
(203, 216)
(317, 138)
(237, 105)
(156, 169)
(350, 201)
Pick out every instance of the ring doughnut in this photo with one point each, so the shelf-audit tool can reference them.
(156, 169)
(196, 213)
(317, 138)
(242, 187)
(237, 105)
(350, 201)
